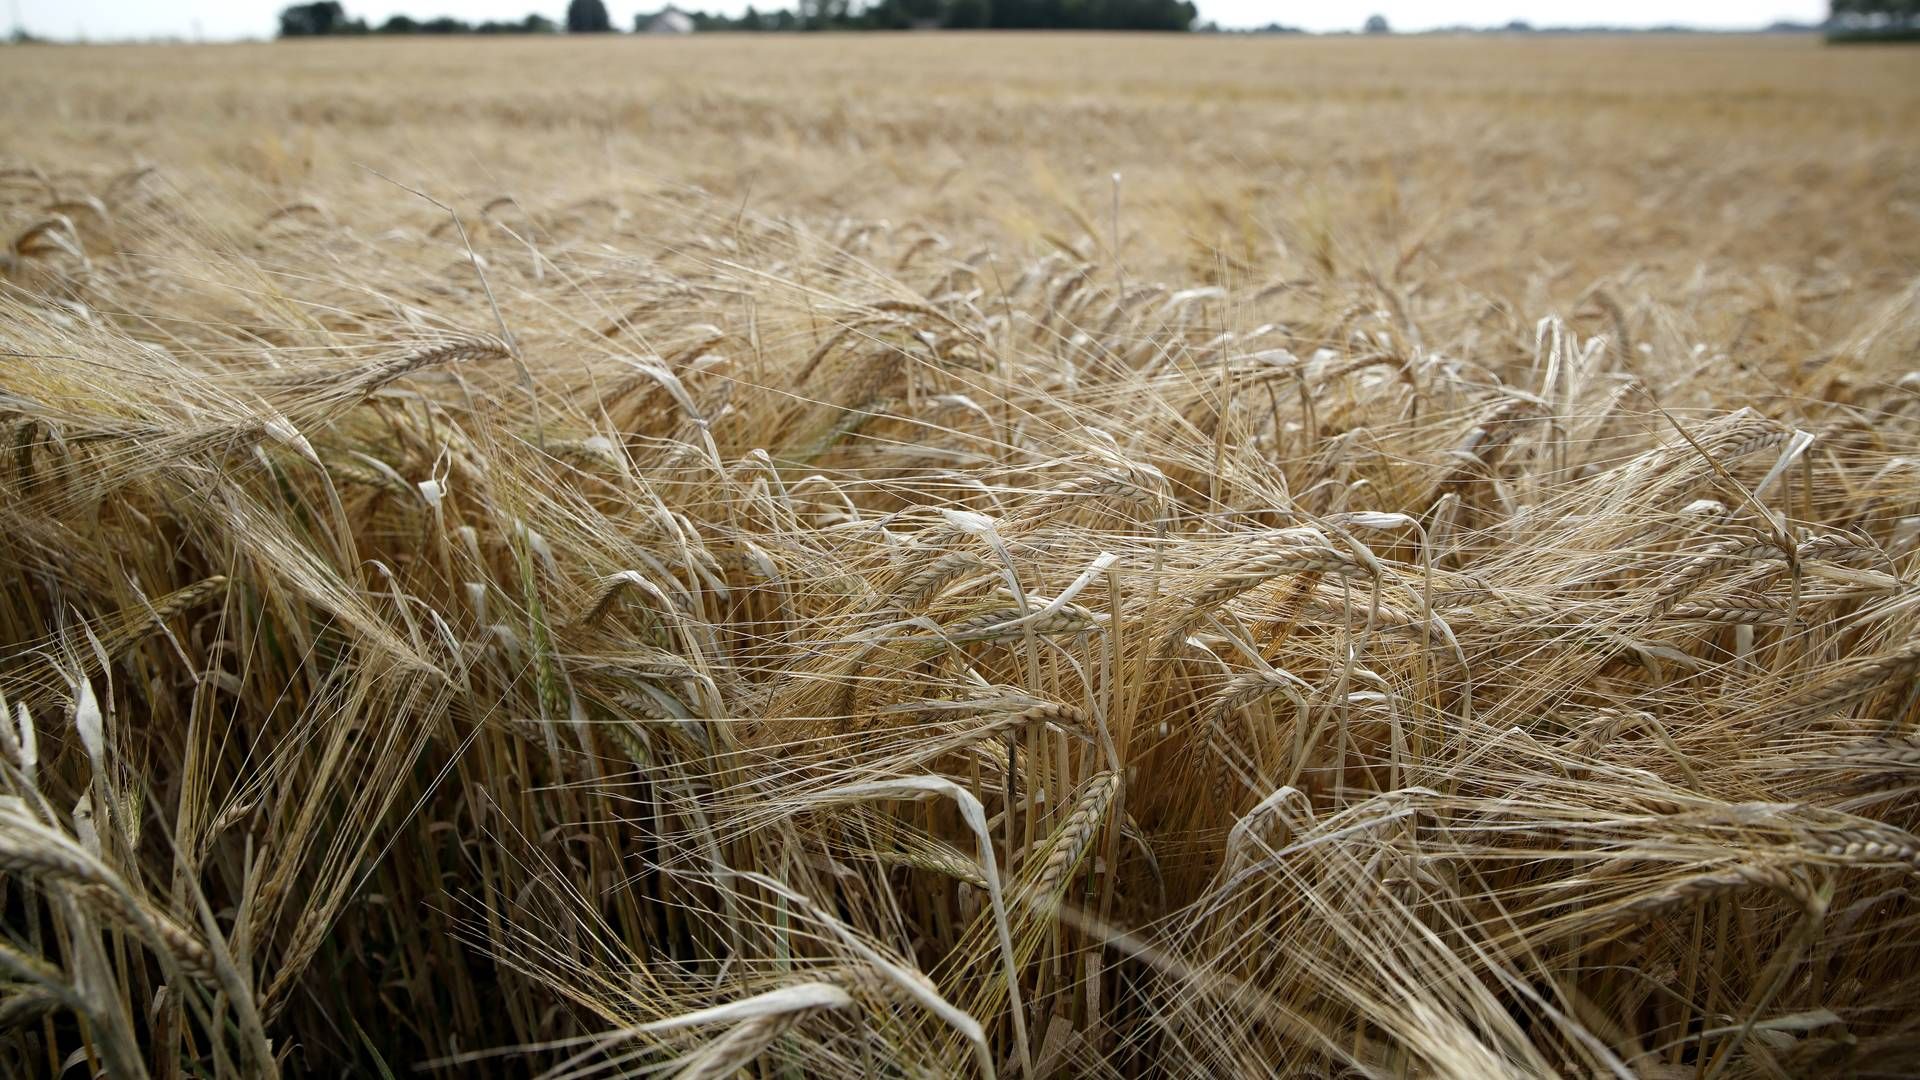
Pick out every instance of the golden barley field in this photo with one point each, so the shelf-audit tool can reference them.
(960, 555)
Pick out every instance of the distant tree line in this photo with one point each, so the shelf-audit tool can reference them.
(445, 24)
(1900, 13)
(328, 18)
(955, 15)
(1874, 20)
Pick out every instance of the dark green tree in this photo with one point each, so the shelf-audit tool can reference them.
(1377, 24)
(588, 17)
(318, 20)
(1900, 14)
(969, 14)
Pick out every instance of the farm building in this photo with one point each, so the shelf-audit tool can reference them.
(670, 21)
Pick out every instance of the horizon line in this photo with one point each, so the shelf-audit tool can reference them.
(1782, 25)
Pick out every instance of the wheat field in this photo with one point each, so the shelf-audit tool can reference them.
(960, 555)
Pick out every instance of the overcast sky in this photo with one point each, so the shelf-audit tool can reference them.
(221, 19)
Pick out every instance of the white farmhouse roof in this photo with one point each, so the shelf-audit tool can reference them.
(670, 21)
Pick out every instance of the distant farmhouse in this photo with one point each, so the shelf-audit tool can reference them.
(670, 20)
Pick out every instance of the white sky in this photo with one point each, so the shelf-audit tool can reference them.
(220, 19)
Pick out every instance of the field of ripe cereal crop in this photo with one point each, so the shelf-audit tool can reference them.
(903, 555)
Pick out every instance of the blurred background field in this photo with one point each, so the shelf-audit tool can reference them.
(1505, 160)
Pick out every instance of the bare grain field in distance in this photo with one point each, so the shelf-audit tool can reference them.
(960, 555)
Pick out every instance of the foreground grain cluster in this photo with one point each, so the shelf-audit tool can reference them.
(795, 568)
